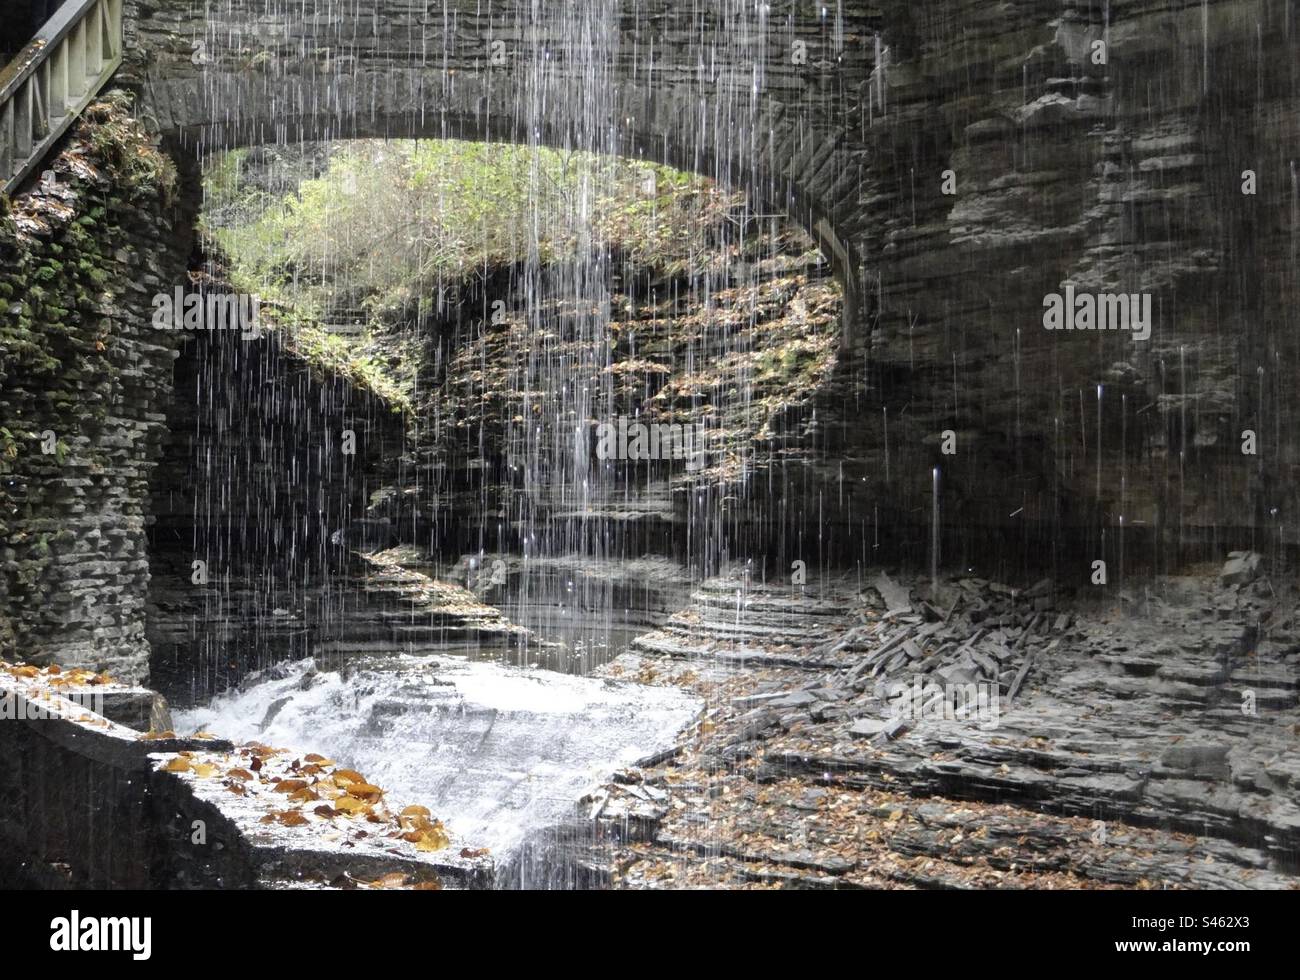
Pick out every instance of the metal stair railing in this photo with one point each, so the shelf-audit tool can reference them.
(49, 83)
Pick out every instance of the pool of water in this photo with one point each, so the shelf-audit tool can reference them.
(498, 752)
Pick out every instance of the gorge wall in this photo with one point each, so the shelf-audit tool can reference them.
(255, 484)
(958, 161)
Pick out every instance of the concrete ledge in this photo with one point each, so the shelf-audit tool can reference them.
(93, 805)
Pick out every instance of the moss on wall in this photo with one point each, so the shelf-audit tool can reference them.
(83, 381)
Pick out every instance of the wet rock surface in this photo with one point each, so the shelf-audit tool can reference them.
(98, 804)
(1139, 751)
(871, 732)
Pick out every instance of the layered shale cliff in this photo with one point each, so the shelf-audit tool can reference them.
(1142, 148)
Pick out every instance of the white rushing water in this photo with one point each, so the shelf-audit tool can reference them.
(496, 752)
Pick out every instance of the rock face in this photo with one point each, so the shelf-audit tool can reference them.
(1241, 568)
(1135, 752)
(961, 165)
(957, 176)
(257, 487)
(734, 347)
(1125, 176)
(84, 378)
(1142, 155)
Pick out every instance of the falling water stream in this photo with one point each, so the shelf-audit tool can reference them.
(500, 747)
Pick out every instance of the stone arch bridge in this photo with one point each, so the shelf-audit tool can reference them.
(772, 98)
(844, 115)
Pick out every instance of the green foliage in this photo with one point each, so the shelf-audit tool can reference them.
(388, 225)
(334, 353)
(122, 144)
(390, 222)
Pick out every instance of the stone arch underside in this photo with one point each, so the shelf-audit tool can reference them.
(254, 72)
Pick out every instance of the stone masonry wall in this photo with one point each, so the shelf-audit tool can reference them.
(84, 377)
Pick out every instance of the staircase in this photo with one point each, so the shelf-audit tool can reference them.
(52, 80)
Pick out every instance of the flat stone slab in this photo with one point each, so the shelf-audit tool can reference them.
(1199, 758)
(1240, 568)
(867, 728)
(66, 715)
(321, 829)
